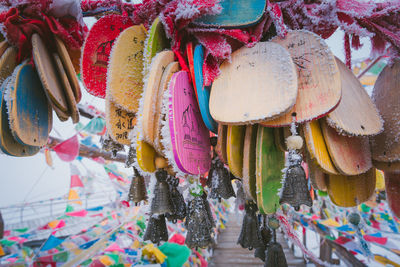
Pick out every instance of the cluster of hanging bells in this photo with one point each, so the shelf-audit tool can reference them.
(262, 237)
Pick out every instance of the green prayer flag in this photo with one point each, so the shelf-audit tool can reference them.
(176, 254)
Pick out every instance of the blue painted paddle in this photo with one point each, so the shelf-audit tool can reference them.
(235, 14)
(29, 108)
(8, 145)
(203, 92)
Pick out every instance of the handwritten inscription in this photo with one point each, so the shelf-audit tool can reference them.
(123, 123)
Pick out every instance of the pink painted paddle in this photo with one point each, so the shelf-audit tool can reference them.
(189, 136)
(97, 49)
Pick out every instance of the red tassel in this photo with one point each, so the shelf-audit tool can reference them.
(347, 50)
(355, 42)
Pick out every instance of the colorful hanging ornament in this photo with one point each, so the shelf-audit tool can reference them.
(162, 202)
(250, 236)
(137, 191)
(274, 255)
(178, 202)
(295, 189)
(156, 230)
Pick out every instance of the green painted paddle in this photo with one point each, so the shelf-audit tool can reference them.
(269, 165)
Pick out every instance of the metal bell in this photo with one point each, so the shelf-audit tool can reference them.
(295, 189)
(156, 229)
(178, 202)
(137, 191)
(266, 236)
(240, 201)
(219, 181)
(130, 159)
(250, 236)
(274, 256)
(208, 209)
(161, 203)
(198, 225)
(108, 144)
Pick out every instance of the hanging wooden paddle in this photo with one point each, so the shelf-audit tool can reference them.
(269, 165)
(249, 162)
(124, 71)
(28, 108)
(350, 191)
(386, 166)
(235, 14)
(221, 143)
(316, 175)
(151, 89)
(234, 149)
(318, 78)
(68, 92)
(156, 42)
(146, 156)
(316, 146)
(355, 114)
(189, 54)
(8, 145)
(119, 122)
(189, 136)
(159, 116)
(392, 184)
(267, 73)
(351, 155)
(61, 115)
(3, 47)
(48, 74)
(386, 96)
(8, 62)
(96, 51)
(69, 69)
(203, 92)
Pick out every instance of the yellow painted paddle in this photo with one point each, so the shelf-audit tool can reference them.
(119, 122)
(124, 71)
(234, 149)
(221, 143)
(316, 146)
(350, 191)
(249, 162)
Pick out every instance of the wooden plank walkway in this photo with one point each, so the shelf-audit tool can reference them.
(229, 254)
